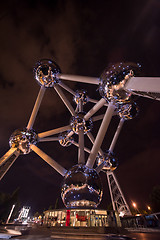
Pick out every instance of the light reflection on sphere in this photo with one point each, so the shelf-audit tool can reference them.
(113, 80)
(81, 187)
(81, 96)
(110, 161)
(46, 72)
(22, 138)
(77, 123)
(128, 111)
(64, 140)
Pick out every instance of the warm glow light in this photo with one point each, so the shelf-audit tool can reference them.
(134, 204)
(149, 208)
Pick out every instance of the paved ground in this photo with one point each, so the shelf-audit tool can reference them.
(48, 234)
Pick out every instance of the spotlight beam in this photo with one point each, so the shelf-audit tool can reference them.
(49, 160)
(54, 131)
(95, 108)
(36, 107)
(100, 135)
(64, 99)
(77, 78)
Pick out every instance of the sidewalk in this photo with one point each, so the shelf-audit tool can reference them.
(143, 230)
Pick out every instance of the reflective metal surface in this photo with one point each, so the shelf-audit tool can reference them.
(128, 111)
(65, 141)
(46, 72)
(113, 80)
(22, 138)
(81, 95)
(110, 161)
(81, 187)
(78, 123)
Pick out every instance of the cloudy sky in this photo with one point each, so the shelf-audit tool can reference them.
(83, 37)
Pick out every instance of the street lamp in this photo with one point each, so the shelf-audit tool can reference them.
(135, 206)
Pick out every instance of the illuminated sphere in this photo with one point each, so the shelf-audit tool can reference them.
(113, 80)
(128, 111)
(65, 141)
(77, 123)
(22, 139)
(81, 96)
(46, 72)
(81, 187)
(111, 162)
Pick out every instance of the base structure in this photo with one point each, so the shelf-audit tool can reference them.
(119, 203)
(94, 218)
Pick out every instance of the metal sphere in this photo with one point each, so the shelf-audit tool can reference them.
(128, 111)
(81, 187)
(78, 123)
(65, 141)
(46, 72)
(22, 138)
(110, 161)
(113, 80)
(81, 96)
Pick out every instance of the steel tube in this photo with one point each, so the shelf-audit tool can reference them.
(49, 160)
(54, 131)
(64, 99)
(100, 135)
(76, 78)
(96, 107)
(36, 107)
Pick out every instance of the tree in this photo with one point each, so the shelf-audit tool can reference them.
(155, 198)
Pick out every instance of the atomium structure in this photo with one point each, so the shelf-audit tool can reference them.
(82, 185)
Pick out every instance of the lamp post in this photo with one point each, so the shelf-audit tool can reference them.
(135, 206)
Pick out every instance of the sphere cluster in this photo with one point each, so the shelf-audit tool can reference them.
(45, 73)
(81, 187)
(81, 96)
(65, 141)
(128, 110)
(113, 80)
(110, 161)
(78, 123)
(22, 139)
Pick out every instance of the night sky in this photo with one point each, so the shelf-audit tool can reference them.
(83, 37)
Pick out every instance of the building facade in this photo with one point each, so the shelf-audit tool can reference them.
(81, 218)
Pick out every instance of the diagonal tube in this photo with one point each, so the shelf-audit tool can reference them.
(49, 139)
(77, 145)
(49, 160)
(91, 138)
(7, 160)
(100, 135)
(96, 107)
(54, 131)
(68, 89)
(65, 100)
(116, 135)
(81, 158)
(97, 118)
(77, 78)
(36, 107)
